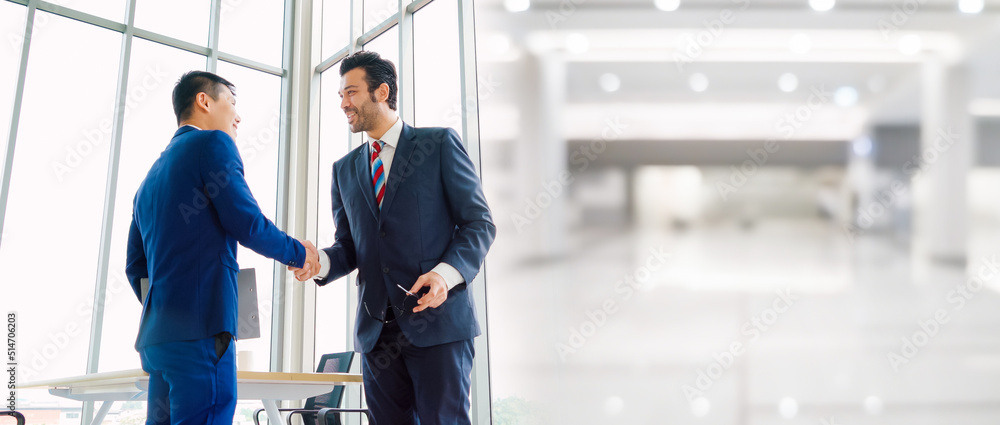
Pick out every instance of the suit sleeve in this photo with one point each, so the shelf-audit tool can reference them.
(222, 171)
(135, 260)
(467, 204)
(343, 257)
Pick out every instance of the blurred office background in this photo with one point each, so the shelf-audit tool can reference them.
(708, 211)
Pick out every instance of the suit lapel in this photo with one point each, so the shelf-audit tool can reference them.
(400, 162)
(365, 180)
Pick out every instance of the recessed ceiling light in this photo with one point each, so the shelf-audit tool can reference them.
(846, 96)
(971, 6)
(577, 43)
(788, 82)
(698, 82)
(822, 5)
(517, 5)
(667, 5)
(610, 82)
(910, 44)
(800, 44)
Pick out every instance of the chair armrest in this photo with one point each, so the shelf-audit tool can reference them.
(323, 413)
(17, 415)
(256, 414)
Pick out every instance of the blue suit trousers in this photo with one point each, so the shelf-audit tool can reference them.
(189, 383)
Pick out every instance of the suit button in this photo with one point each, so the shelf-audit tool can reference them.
(385, 270)
(381, 234)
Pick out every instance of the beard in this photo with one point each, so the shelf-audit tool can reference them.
(365, 118)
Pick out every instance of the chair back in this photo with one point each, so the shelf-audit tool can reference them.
(17, 416)
(331, 363)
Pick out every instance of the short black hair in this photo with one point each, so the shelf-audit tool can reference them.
(192, 83)
(377, 71)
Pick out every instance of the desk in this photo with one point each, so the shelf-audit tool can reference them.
(268, 387)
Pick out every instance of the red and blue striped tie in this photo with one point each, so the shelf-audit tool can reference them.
(378, 172)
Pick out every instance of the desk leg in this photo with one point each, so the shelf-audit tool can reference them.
(102, 412)
(273, 416)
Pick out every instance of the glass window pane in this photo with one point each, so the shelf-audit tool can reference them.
(331, 321)
(164, 17)
(107, 9)
(258, 101)
(336, 26)
(437, 84)
(11, 24)
(252, 29)
(149, 125)
(57, 194)
(377, 11)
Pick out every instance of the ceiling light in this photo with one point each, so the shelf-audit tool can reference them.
(822, 5)
(971, 6)
(667, 5)
(698, 82)
(610, 82)
(517, 5)
(910, 44)
(788, 82)
(577, 43)
(800, 44)
(846, 96)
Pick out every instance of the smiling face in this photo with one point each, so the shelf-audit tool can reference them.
(359, 105)
(222, 111)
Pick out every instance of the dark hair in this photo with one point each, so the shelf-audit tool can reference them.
(192, 83)
(377, 71)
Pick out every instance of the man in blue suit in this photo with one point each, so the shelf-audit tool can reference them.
(189, 213)
(412, 219)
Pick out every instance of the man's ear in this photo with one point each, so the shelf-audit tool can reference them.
(201, 101)
(382, 92)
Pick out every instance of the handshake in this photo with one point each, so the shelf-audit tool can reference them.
(311, 266)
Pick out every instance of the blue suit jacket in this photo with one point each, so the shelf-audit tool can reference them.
(433, 211)
(188, 214)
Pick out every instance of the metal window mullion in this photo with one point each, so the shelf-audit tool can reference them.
(170, 41)
(84, 17)
(405, 86)
(281, 206)
(481, 380)
(15, 114)
(254, 65)
(111, 190)
(213, 35)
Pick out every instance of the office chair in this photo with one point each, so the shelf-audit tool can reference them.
(324, 403)
(20, 418)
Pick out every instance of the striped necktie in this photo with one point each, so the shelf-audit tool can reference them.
(378, 172)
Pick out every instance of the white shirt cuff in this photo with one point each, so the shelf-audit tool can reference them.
(450, 274)
(324, 265)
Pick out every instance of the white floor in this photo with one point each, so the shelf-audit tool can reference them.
(827, 346)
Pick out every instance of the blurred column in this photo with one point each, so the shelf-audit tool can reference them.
(947, 137)
(542, 159)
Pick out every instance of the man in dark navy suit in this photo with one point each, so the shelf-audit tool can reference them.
(189, 213)
(412, 219)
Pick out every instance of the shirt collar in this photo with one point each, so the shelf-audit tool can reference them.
(391, 136)
(191, 125)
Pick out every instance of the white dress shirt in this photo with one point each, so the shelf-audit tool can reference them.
(391, 139)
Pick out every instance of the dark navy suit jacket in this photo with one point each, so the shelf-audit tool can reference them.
(433, 211)
(188, 214)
